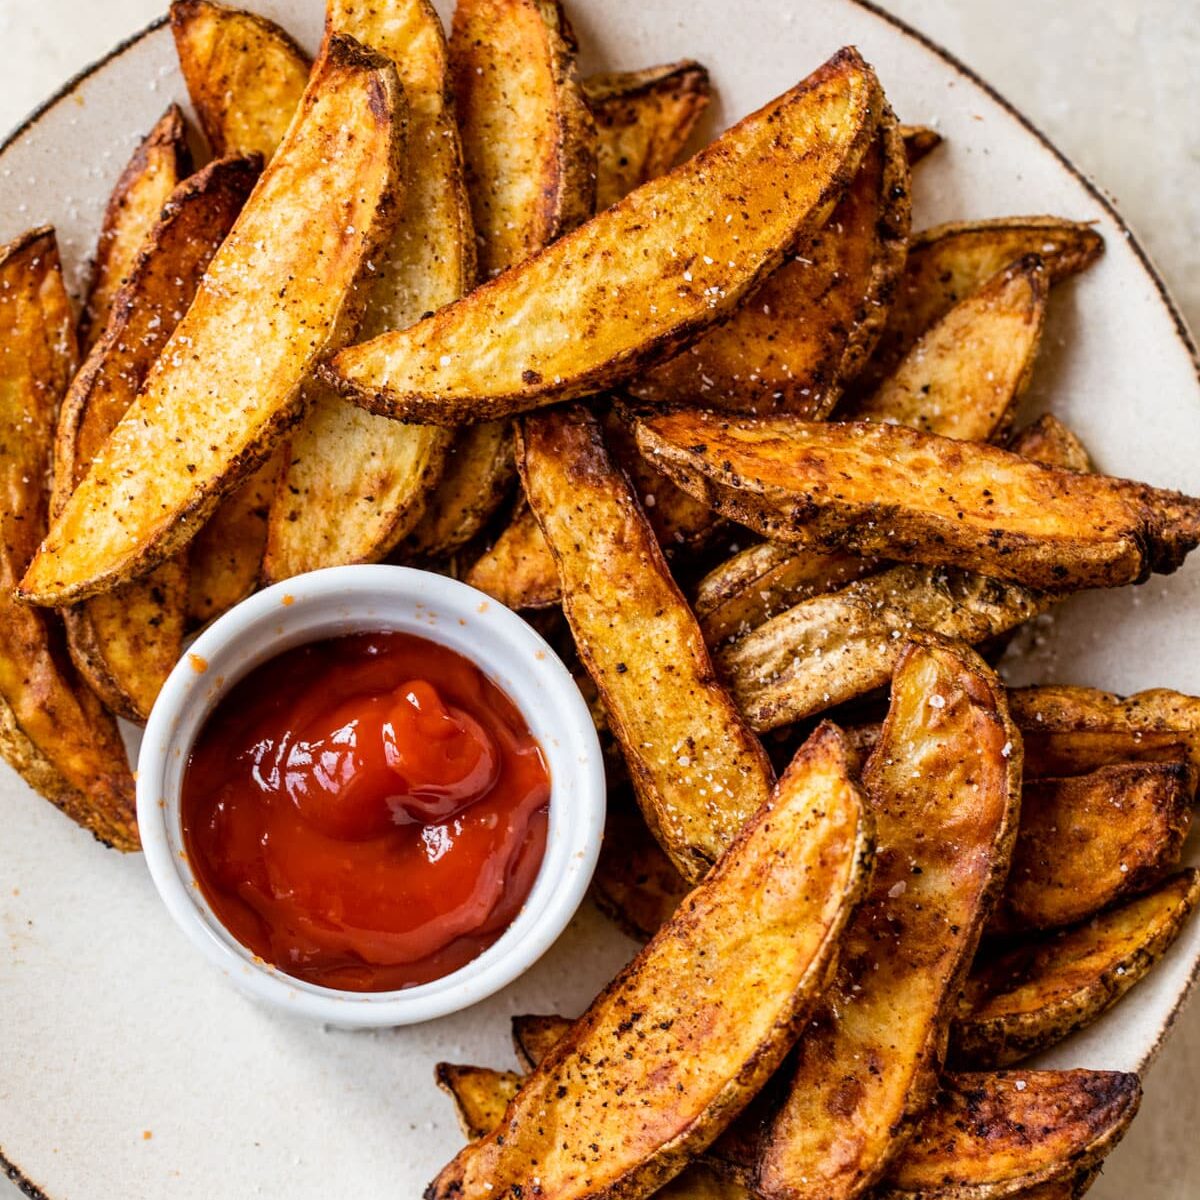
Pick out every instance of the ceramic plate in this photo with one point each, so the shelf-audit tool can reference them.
(130, 1067)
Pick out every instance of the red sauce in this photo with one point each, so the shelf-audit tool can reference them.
(367, 812)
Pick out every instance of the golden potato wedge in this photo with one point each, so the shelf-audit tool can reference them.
(157, 165)
(963, 377)
(518, 568)
(795, 341)
(125, 642)
(228, 382)
(1073, 730)
(515, 344)
(643, 122)
(998, 1134)
(52, 729)
(534, 1036)
(1088, 840)
(245, 76)
(944, 785)
(698, 772)
(635, 884)
(741, 593)
(356, 483)
(1047, 440)
(879, 489)
(1041, 992)
(920, 141)
(676, 1046)
(949, 262)
(1029, 1135)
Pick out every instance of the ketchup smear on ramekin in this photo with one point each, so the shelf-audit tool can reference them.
(366, 812)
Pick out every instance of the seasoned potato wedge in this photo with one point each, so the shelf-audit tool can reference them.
(1047, 440)
(916, 497)
(534, 1036)
(997, 1134)
(125, 642)
(666, 250)
(1072, 730)
(699, 773)
(228, 381)
(1032, 1135)
(356, 483)
(689, 1032)
(1088, 840)
(157, 165)
(245, 76)
(643, 121)
(944, 785)
(949, 262)
(518, 568)
(1037, 994)
(963, 377)
(920, 141)
(793, 343)
(52, 729)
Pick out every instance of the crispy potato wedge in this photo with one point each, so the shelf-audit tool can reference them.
(920, 141)
(643, 122)
(1089, 840)
(675, 1047)
(698, 772)
(949, 262)
(534, 1036)
(812, 324)
(52, 729)
(963, 377)
(1072, 730)
(518, 568)
(944, 785)
(245, 76)
(1047, 440)
(514, 344)
(741, 593)
(837, 646)
(1039, 993)
(529, 141)
(986, 1135)
(125, 642)
(356, 483)
(157, 165)
(998, 1134)
(916, 497)
(228, 382)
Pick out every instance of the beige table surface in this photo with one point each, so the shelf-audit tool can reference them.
(1114, 86)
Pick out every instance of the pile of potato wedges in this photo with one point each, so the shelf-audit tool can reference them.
(746, 449)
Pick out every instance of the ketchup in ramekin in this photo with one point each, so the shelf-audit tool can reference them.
(366, 812)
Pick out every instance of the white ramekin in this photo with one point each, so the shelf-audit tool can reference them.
(345, 600)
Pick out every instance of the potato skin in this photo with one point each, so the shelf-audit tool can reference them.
(676, 1046)
(698, 772)
(318, 212)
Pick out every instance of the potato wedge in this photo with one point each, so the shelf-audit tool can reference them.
(698, 772)
(534, 1036)
(245, 76)
(793, 343)
(1089, 840)
(1028, 1135)
(949, 262)
(643, 122)
(356, 483)
(944, 785)
(963, 377)
(715, 999)
(920, 141)
(1047, 440)
(518, 568)
(1031, 997)
(998, 1134)
(228, 381)
(125, 642)
(52, 729)
(916, 497)
(1073, 730)
(157, 165)
(515, 344)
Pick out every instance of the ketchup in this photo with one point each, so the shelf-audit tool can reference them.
(367, 812)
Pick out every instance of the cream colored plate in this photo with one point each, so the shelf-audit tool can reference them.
(112, 1027)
